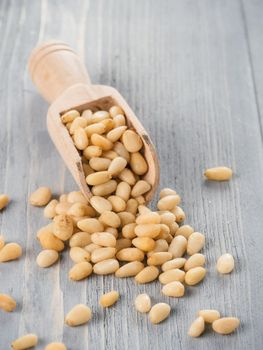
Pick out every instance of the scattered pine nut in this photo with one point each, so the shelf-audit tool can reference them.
(209, 315)
(109, 299)
(173, 289)
(225, 325)
(195, 275)
(143, 303)
(25, 342)
(47, 258)
(7, 303)
(159, 312)
(56, 346)
(4, 200)
(225, 263)
(219, 173)
(78, 315)
(40, 197)
(197, 327)
(10, 251)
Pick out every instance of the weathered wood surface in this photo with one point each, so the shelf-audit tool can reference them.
(192, 71)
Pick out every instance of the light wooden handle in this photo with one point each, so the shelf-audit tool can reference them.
(54, 67)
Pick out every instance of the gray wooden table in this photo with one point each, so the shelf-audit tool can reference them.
(193, 73)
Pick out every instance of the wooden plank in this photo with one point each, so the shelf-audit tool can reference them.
(184, 67)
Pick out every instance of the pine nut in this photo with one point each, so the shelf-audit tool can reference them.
(143, 243)
(104, 189)
(132, 206)
(143, 303)
(132, 141)
(127, 176)
(100, 204)
(109, 154)
(80, 271)
(101, 254)
(148, 230)
(76, 196)
(98, 178)
(70, 116)
(119, 120)
(121, 151)
(47, 258)
(91, 247)
(49, 241)
(101, 141)
(159, 258)
(106, 267)
(130, 254)
(225, 325)
(123, 243)
(140, 188)
(173, 228)
(128, 231)
(2, 242)
(78, 209)
(115, 134)
(219, 173)
(118, 204)
(104, 239)
(165, 233)
(78, 254)
(113, 231)
(141, 200)
(25, 342)
(194, 261)
(130, 269)
(50, 209)
(92, 152)
(167, 192)
(55, 346)
(78, 315)
(168, 202)
(173, 289)
(225, 263)
(99, 116)
(7, 303)
(167, 218)
(109, 299)
(159, 312)
(171, 276)
(115, 110)
(195, 243)
(179, 214)
(96, 128)
(80, 139)
(126, 218)
(78, 122)
(123, 190)
(195, 275)
(10, 251)
(138, 164)
(178, 246)
(109, 218)
(142, 209)
(176, 263)
(62, 208)
(197, 327)
(80, 239)
(117, 165)
(209, 316)
(109, 124)
(148, 218)
(40, 197)
(160, 246)
(99, 163)
(90, 225)
(63, 227)
(148, 274)
(185, 231)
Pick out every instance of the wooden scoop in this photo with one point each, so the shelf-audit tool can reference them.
(63, 80)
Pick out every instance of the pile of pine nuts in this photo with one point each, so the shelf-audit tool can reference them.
(115, 232)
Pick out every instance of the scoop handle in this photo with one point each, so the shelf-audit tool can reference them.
(54, 66)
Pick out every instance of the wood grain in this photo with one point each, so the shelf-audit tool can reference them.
(191, 70)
